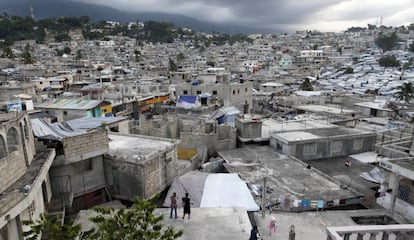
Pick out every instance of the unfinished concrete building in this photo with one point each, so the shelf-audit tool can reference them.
(323, 143)
(25, 190)
(141, 166)
(77, 174)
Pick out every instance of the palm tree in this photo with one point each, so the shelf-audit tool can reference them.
(306, 85)
(405, 92)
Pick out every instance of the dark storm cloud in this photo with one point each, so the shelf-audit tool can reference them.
(272, 13)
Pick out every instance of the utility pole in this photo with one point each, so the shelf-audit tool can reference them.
(264, 197)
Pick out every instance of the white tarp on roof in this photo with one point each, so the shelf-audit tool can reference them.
(376, 175)
(223, 190)
(191, 183)
(216, 190)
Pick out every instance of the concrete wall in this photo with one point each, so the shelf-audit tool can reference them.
(85, 176)
(15, 158)
(325, 147)
(248, 128)
(144, 179)
(85, 146)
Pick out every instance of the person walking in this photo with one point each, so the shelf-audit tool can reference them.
(173, 205)
(186, 205)
(253, 233)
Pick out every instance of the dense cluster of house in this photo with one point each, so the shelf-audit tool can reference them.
(113, 120)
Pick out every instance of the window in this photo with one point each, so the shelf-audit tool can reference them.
(198, 92)
(185, 92)
(214, 92)
(40, 83)
(245, 90)
(309, 149)
(12, 140)
(336, 146)
(234, 92)
(65, 113)
(83, 166)
(358, 143)
(238, 91)
(26, 131)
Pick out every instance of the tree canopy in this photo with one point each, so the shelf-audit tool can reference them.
(138, 222)
(306, 85)
(52, 228)
(389, 61)
(387, 42)
(405, 92)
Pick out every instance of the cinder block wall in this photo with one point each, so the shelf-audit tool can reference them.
(13, 165)
(86, 145)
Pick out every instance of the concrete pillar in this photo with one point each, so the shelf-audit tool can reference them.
(385, 236)
(395, 186)
(398, 236)
(346, 236)
(360, 236)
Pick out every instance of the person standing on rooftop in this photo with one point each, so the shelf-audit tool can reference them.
(186, 205)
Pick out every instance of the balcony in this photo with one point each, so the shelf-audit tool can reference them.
(371, 232)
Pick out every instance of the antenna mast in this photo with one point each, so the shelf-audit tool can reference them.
(32, 10)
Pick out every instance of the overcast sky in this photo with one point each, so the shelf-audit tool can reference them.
(288, 15)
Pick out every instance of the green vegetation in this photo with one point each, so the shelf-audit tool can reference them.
(405, 92)
(172, 65)
(306, 85)
(27, 56)
(389, 61)
(411, 49)
(387, 42)
(17, 28)
(137, 222)
(52, 228)
(349, 70)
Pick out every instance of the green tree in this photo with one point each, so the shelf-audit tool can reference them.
(67, 50)
(211, 63)
(411, 49)
(349, 70)
(389, 61)
(387, 42)
(180, 57)
(27, 56)
(405, 92)
(138, 222)
(50, 227)
(172, 65)
(8, 53)
(78, 55)
(306, 85)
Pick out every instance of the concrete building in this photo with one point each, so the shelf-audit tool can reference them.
(323, 143)
(77, 175)
(67, 109)
(229, 94)
(140, 165)
(25, 190)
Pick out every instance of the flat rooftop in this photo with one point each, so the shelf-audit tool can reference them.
(314, 134)
(137, 148)
(270, 125)
(285, 176)
(327, 109)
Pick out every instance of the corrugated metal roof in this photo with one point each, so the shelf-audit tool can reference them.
(93, 122)
(44, 130)
(76, 104)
